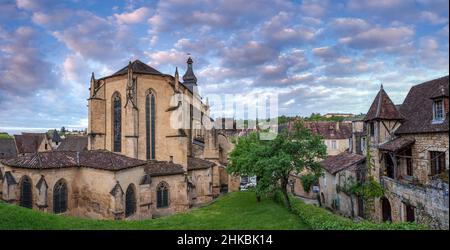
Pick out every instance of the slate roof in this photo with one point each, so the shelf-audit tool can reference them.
(329, 130)
(137, 67)
(418, 108)
(197, 163)
(29, 142)
(7, 148)
(74, 143)
(397, 144)
(382, 108)
(342, 161)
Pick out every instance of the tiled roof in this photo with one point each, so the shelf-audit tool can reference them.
(98, 159)
(29, 142)
(418, 108)
(197, 163)
(336, 163)
(382, 108)
(138, 67)
(331, 130)
(7, 148)
(397, 144)
(74, 143)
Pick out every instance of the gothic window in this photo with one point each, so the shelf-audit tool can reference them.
(26, 196)
(117, 123)
(150, 114)
(130, 201)
(60, 197)
(162, 195)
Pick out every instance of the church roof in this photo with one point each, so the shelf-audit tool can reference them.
(382, 108)
(74, 143)
(418, 107)
(7, 148)
(189, 77)
(29, 142)
(138, 67)
(197, 163)
(97, 159)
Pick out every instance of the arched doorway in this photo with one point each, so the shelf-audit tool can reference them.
(386, 209)
(60, 197)
(130, 201)
(26, 195)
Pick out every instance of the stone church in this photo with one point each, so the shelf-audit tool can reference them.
(151, 152)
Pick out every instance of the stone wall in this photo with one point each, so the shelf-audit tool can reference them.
(202, 190)
(430, 202)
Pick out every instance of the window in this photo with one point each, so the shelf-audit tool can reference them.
(130, 201)
(150, 125)
(437, 162)
(117, 123)
(162, 195)
(372, 129)
(409, 166)
(46, 146)
(333, 144)
(438, 110)
(363, 144)
(26, 196)
(60, 197)
(410, 217)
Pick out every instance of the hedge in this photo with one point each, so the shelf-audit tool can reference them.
(321, 219)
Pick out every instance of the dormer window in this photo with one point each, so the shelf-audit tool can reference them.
(438, 111)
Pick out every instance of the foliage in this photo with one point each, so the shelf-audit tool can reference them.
(321, 219)
(5, 136)
(318, 117)
(232, 211)
(273, 160)
(308, 180)
(368, 190)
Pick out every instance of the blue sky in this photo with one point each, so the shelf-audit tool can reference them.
(319, 56)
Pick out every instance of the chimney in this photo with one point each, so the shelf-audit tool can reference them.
(337, 126)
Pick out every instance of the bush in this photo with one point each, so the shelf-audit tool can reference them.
(320, 219)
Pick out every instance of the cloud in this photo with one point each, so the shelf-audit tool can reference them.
(379, 37)
(133, 17)
(22, 67)
(348, 26)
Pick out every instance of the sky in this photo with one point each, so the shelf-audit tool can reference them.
(317, 56)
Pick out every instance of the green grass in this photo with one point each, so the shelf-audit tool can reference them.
(237, 210)
(5, 136)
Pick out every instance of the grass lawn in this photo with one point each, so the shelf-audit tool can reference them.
(237, 210)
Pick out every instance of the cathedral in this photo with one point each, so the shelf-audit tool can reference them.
(152, 152)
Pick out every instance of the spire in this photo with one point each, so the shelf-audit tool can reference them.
(189, 77)
(177, 78)
(92, 86)
(382, 108)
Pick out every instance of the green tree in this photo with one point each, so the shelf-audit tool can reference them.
(273, 160)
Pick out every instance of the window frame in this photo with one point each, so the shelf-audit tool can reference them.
(162, 195)
(441, 118)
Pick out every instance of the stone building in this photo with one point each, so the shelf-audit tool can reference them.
(341, 172)
(28, 143)
(337, 136)
(409, 145)
(150, 152)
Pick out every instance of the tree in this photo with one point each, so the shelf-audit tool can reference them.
(272, 161)
(63, 130)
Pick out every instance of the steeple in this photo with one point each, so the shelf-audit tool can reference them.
(189, 77)
(93, 85)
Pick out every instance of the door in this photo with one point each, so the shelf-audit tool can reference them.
(26, 198)
(386, 209)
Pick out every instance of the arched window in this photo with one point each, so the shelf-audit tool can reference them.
(162, 195)
(130, 201)
(117, 123)
(26, 195)
(150, 119)
(60, 197)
